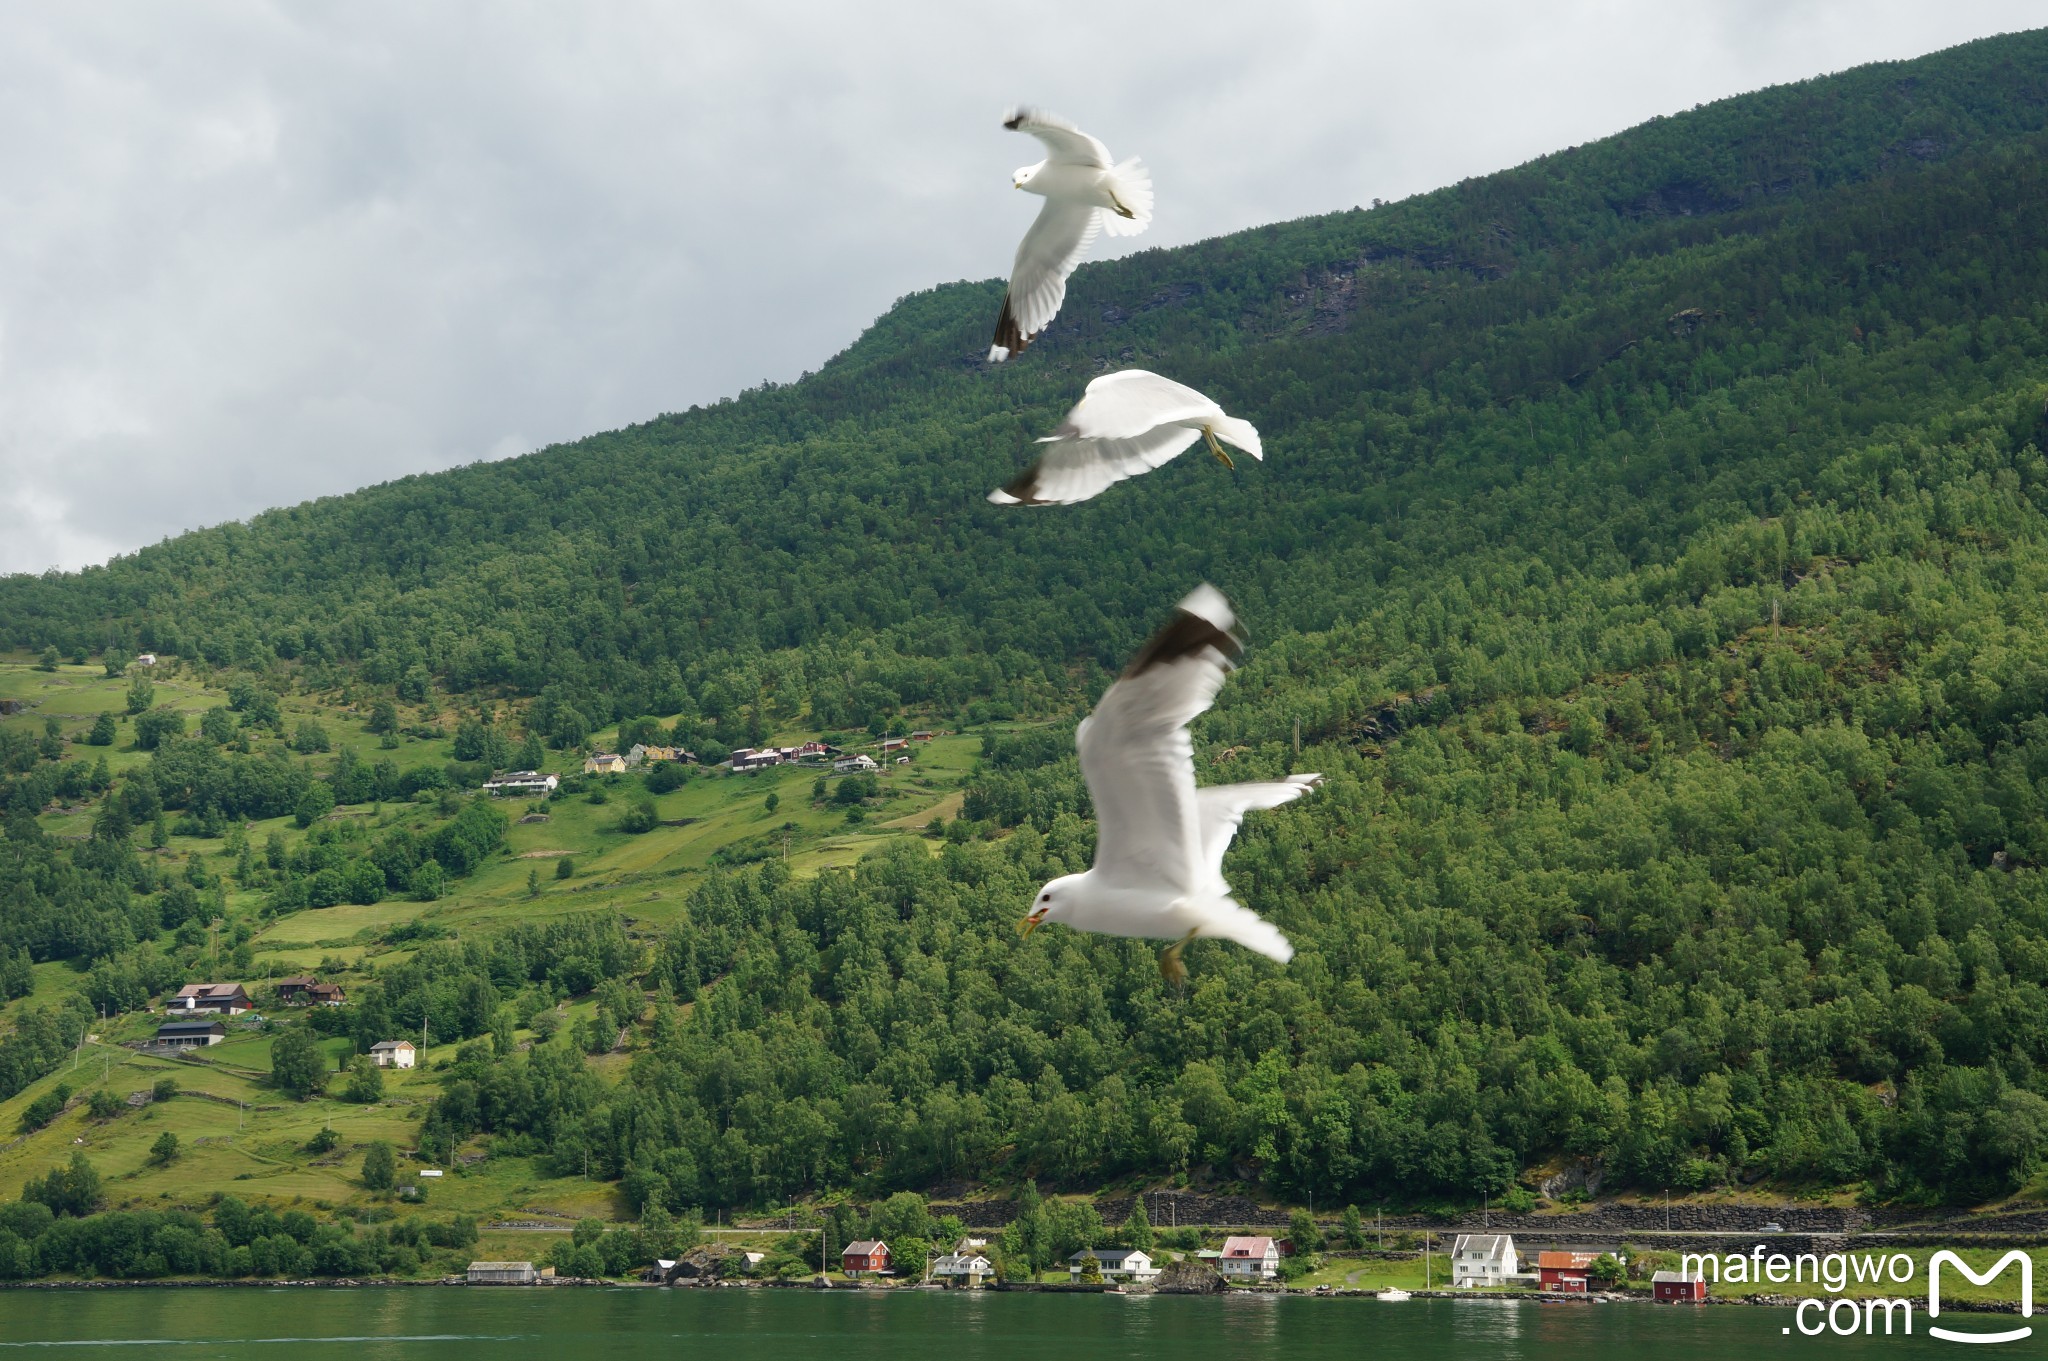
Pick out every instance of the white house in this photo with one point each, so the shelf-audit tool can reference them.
(847, 765)
(1250, 1258)
(145, 659)
(522, 783)
(962, 1268)
(393, 1054)
(1116, 1264)
(1482, 1259)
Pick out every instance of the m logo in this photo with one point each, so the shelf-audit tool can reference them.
(2026, 1294)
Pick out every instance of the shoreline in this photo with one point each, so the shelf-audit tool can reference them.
(1018, 1288)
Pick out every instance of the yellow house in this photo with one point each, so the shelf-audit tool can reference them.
(605, 763)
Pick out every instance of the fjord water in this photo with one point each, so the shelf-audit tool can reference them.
(429, 1324)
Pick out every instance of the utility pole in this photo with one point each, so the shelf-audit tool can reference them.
(1425, 1259)
(1485, 1212)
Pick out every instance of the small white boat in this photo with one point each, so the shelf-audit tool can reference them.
(1393, 1294)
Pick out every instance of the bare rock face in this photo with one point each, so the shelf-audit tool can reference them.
(699, 1266)
(1189, 1276)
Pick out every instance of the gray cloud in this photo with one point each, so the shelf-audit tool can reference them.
(251, 254)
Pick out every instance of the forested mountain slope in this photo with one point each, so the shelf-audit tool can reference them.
(1651, 546)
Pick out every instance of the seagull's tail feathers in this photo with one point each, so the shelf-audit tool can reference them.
(1239, 435)
(1228, 919)
(1131, 183)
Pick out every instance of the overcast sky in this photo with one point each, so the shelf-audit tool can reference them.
(251, 254)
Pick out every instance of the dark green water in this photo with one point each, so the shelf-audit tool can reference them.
(758, 1325)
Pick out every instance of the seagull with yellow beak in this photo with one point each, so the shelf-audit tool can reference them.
(1159, 841)
(1084, 193)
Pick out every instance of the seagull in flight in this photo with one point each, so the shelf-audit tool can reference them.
(1125, 423)
(1084, 192)
(1159, 843)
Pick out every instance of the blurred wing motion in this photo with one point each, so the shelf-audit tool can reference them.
(1136, 754)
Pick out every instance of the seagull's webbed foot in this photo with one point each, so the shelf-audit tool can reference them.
(1117, 205)
(1170, 967)
(1217, 449)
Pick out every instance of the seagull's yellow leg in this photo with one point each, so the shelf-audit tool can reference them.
(1170, 967)
(1217, 449)
(1118, 204)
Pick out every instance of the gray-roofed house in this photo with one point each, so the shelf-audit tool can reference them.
(1116, 1264)
(962, 1269)
(1482, 1259)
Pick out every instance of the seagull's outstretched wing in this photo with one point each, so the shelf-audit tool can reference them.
(1221, 808)
(1065, 144)
(1128, 403)
(1231, 920)
(1058, 238)
(1124, 404)
(1075, 469)
(1136, 754)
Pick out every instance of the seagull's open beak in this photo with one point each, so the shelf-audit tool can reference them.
(1031, 923)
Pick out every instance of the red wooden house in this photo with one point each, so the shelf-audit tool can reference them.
(1564, 1271)
(867, 1256)
(1679, 1287)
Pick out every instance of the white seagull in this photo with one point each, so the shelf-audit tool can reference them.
(1159, 841)
(1125, 424)
(1084, 192)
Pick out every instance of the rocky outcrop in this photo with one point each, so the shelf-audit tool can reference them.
(699, 1266)
(1189, 1276)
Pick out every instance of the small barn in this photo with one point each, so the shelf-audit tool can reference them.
(190, 1034)
(502, 1273)
(1679, 1287)
(1564, 1272)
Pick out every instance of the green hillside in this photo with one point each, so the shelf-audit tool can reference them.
(1650, 549)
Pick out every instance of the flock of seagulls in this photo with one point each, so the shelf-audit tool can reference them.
(1160, 840)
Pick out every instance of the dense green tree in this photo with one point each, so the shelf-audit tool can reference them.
(165, 1149)
(103, 729)
(153, 727)
(71, 1191)
(365, 1081)
(141, 693)
(296, 1063)
(380, 1167)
